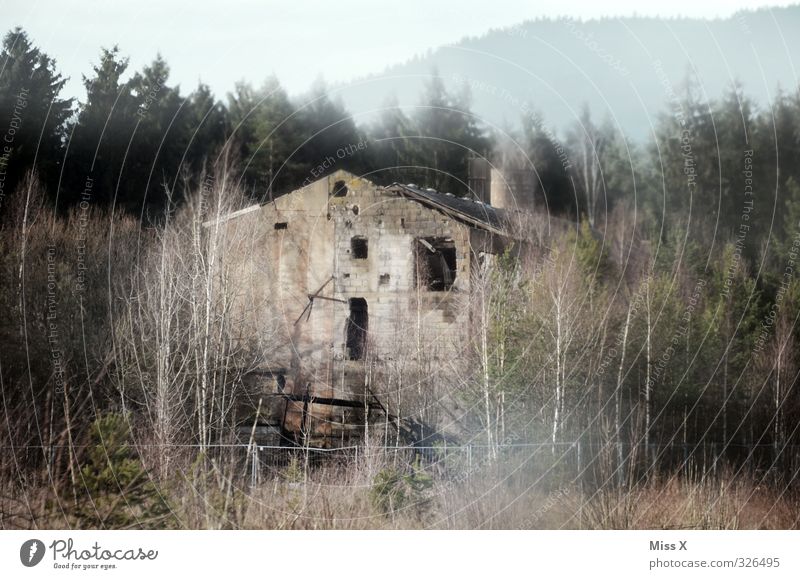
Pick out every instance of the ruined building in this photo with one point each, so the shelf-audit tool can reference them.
(340, 279)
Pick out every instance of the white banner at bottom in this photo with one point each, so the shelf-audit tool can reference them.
(407, 554)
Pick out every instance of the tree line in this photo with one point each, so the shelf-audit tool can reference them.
(139, 142)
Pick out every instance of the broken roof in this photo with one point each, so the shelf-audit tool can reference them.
(472, 212)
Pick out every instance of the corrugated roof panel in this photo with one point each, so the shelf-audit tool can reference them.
(474, 211)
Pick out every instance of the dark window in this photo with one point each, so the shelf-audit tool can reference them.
(359, 247)
(435, 263)
(383, 279)
(283, 225)
(357, 325)
(339, 189)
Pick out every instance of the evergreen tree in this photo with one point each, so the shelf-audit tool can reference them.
(268, 134)
(32, 116)
(159, 145)
(393, 152)
(101, 135)
(550, 164)
(599, 166)
(208, 127)
(116, 491)
(687, 161)
(331, 138)
(444, 135)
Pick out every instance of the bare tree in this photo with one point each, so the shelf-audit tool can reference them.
(782, 353)
(181, 354)
(589, 144)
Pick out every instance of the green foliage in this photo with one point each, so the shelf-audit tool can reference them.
(114, 489)
(432, 145)
(599, 166)
(31, 113)
(266, 129)
(392, 150)
(508, 337)
(551, 162)
(134, 138)
(393, 490)
(783, 237)
(286, 144)
(589, 250)
(293, 473)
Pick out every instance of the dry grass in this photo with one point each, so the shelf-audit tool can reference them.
(723, 502)
(496, 497)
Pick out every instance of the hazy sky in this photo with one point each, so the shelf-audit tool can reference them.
(299, 41)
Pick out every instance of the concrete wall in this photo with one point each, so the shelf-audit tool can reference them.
(276, 269)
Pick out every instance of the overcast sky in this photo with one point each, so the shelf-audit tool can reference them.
(299, 41)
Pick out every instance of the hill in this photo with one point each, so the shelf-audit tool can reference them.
(628, 68)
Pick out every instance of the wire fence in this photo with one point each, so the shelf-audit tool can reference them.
(578, 460)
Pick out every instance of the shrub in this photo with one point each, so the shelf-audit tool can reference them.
(117, 492)
(394, 491)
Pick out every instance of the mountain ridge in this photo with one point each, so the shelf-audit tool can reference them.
(626, 69)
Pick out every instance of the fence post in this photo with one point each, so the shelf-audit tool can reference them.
(254, 467)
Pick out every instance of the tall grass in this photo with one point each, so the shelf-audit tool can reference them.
(204, 493)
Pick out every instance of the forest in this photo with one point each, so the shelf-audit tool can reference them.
(637, 369)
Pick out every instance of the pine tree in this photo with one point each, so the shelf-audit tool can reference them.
(153, 168)
(115, 489)
(329, 133)
(268, 134)
(208, 129)
(448, 134)
(32, 115)
(101, 136)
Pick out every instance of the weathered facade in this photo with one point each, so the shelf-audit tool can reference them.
(337, 280)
